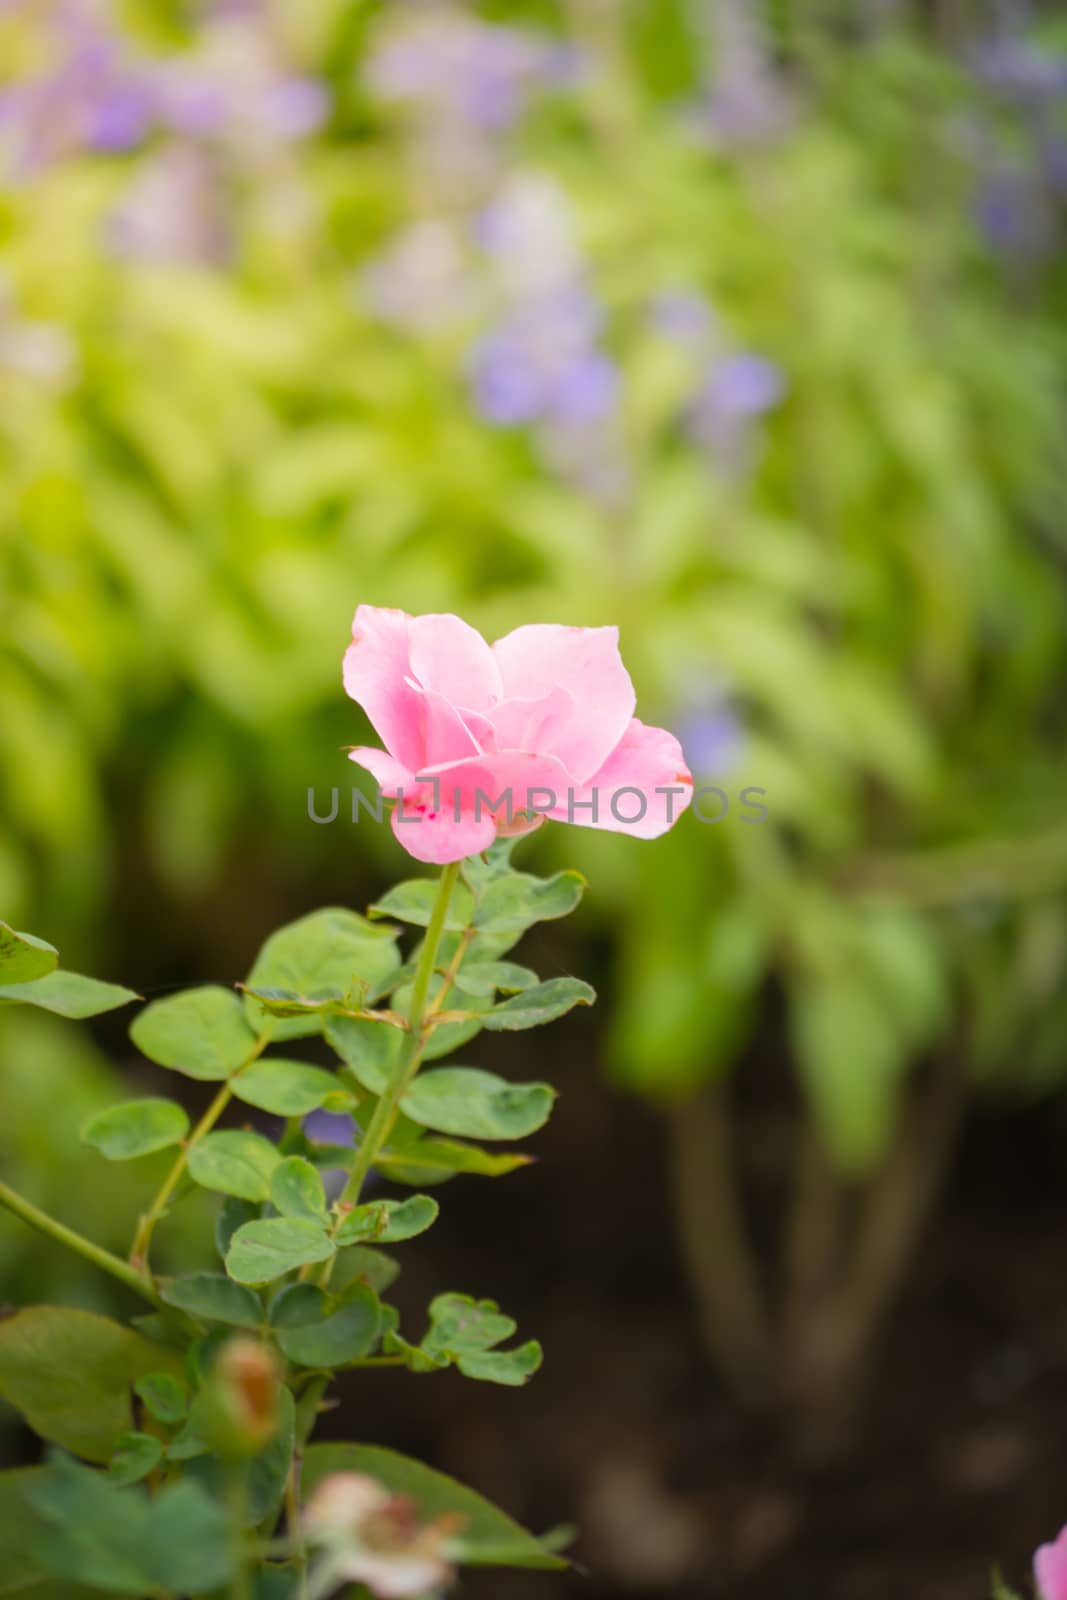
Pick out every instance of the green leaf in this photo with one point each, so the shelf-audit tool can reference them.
(362, 1264)
(136, 1128)
(136, 1455)
(514, 902)
(233, 1213)
(20, 1533)
(68, 994)
(460, 1325)
(201, 1032)
(234, 1162)
(324, 956)
(486, 977)
(442, 1158)
(286, 1088)
(210, 1297)
(476, 1104)
(68, 1373)
(464, 1330)
(121, 1540)
(343, 1331)
(541, 1004)
(509, 1367)
(296, 1189)
(24, 957)
(490, 1536)
(162, 1396)
(477, 871)
(268, 1249)
(388, 1221)
(413, 901)
(298, 1304)
(371, 1049)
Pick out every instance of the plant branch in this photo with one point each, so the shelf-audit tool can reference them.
(381, 1122)
(146, 1227)
(81, 1246)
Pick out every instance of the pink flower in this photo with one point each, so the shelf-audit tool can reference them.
(483, 740)
(1050, 1569)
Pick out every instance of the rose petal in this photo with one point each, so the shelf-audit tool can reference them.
(389, 774)
(536, 659)
(466, 803)
(1050, 1569)
(452, 659)
(646, 759)
(377, 677)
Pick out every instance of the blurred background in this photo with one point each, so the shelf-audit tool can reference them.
(738, 323)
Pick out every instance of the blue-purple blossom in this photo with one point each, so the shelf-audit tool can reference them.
(1014, 214)
(95, 94)
(1020, 68)
(543, 363)
(745, 101)
(329, 1127)
(709, 732)
(683, 316)
(736, 392)
(422, 279)
(742, 385)
(457, 67)
(174, 210)
(91, 96)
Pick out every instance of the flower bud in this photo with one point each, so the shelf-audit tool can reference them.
(242, 1398)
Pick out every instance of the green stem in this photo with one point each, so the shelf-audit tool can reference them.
(74, 1241)
(241, 1587)
(142, 1240)
(385, 1111)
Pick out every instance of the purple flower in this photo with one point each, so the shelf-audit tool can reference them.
(508, 388)
(1020, 68)
(174, 210)
(584, 390)
(710, 734)
(329, 1127)
(736, 392)
(741, 385)
(421, 280)
(683, 316)
(296, 107)
(1015, 216)
(457, 67)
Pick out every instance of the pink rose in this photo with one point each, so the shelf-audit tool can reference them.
(483, 740)
(1050, 1569)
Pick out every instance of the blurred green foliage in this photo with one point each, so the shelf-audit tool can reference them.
(209, 461)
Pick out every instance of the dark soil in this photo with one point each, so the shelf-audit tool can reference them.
(958, 1462)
